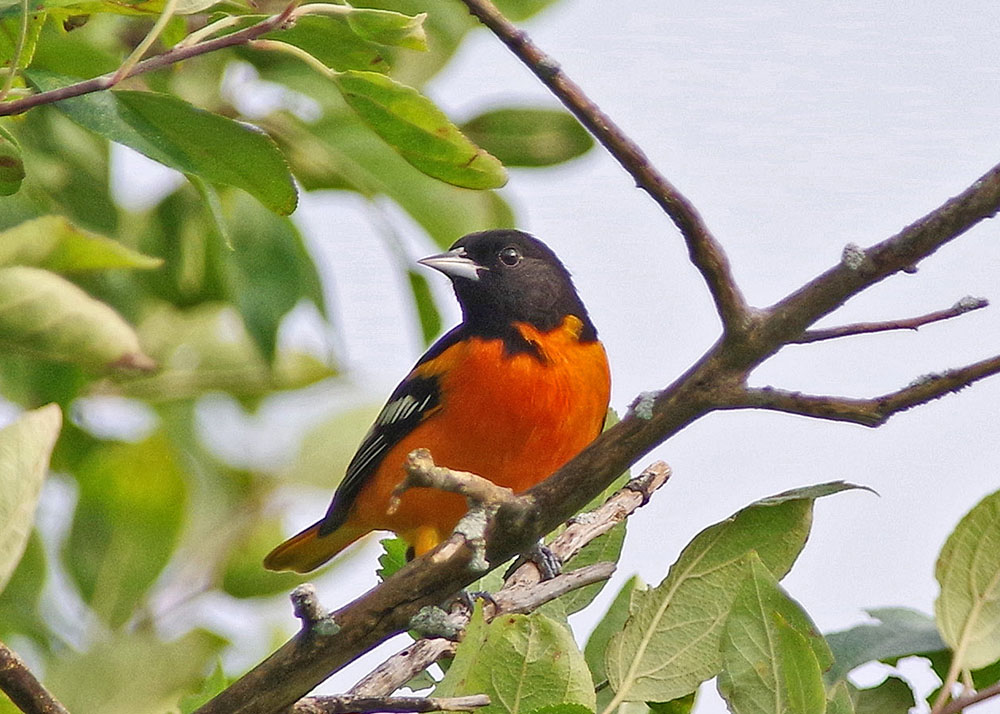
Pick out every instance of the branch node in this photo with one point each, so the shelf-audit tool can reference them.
(472, 527)
(970, 303)
(306, 606)
(650, 479)
(853, 256)
(432, 621)
(642, 406)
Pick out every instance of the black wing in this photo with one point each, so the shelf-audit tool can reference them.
(412, 402)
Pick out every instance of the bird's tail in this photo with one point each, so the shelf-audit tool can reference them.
(308, 550)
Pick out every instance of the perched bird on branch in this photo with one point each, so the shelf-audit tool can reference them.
(511, 394)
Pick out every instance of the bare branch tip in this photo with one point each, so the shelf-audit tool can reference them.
(307, 608)
(969, 303)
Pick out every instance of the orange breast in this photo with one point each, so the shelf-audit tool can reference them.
(513, 419)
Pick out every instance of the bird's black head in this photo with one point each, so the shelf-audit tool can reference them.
(507, 276)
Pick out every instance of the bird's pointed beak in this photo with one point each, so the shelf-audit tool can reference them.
(455, 264)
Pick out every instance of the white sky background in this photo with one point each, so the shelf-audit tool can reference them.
(795, 129)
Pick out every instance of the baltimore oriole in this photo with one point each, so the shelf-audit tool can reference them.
(512, 393)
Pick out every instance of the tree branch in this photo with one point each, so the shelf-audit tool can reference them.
(18, 683)
(959, 704)
(177, 54)
(518, 593)
(705, 252)
(867, 412)
(966, 304)
(370, 705)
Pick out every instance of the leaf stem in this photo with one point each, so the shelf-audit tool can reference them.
(133, 59)
(322, 8)
(279, 46)
(18, 49)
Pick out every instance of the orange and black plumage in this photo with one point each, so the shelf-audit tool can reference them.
(512, 393)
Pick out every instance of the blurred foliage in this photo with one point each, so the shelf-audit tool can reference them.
(158, 310)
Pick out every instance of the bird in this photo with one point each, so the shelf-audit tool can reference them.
(512, 393)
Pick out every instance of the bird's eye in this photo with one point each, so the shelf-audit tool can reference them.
(510, 256)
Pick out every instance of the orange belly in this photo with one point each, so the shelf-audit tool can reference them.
(511, 419)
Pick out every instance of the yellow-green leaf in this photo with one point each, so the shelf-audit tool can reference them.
(523, 662)
(45, 315)
(670, 643)
(411, 124)
(968, 570)
(385, 27)
(54, 243)
(771, 652)
(529, 136)
(25, 448)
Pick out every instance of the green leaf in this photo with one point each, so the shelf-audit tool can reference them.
(330, 41)
(54, 243)
(393, 557)
(981, 678)
(208, 349)
(519, 10)
(183, 137)
(25, 448)
(45, 315)
(681, 705)
(838, 699)
(562, 709)
(670, 643)
(10, 32)
(127, 522)
(11, 163)
(19, 599)
(213, 684)
(968, 570)
(243, 576)
(110, 676)
(269, 271)
(900, 633)
(800, 677)
(522, 662)
(423, 300)
(412, 125)
(338, 152)
(526, 136)
(772, 655)
(893, 696)
(604, 548)
(613, 621)
(385, 27)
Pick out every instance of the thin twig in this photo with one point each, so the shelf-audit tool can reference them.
(966, 304)
(422, 472)
(706, 253)
(957, 705)
(177, 54)
(520, 592)
(18, 683)
(867, 412)
(370, 705)
(403, 666)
